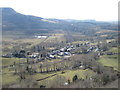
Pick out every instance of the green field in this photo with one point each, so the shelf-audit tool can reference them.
(113, 50)
(80, 73)
(109, 60)
(62, 78)
(10, 61)
(8, 77)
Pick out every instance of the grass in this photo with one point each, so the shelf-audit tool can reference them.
(54, 60)
(56, 38)
(114, 50)
(94, 43)
(9, 61)
(77, 42)
(8, 77)
(109, 40)
(109, 60)
(43, 75)
(80, 73)
(67, 75)
(10, 43)
(106, 31)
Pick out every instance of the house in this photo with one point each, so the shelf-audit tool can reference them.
(29, 53)
(97, 50)
(62, 49)
(88, 50)
(55, 52)
(52, 56)
(40, 37)
(69, 49)
(7, 55)
(57, 56)
(40, 59)
(67, 53)
(20, 54)
(34, 55)
(91, 48)
(87, 43)
(61, 53)
(66, 83)
(82, 67)
(71, 46)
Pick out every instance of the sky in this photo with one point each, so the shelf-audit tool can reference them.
(100, 10)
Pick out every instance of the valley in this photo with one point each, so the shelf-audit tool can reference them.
(56, 53)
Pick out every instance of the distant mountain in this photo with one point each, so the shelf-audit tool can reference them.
(12, 20)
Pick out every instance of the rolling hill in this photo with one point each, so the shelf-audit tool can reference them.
(12, 20)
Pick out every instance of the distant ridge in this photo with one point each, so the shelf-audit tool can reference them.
(12, 20)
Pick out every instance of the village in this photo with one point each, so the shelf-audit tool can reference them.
(65, 52)
(43, 62)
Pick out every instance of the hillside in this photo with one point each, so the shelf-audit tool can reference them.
(12, 20)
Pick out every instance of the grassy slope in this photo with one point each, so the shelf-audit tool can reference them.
(110, 60)
(10, 61)
(8, 77)
(67, 75)
(107, 61)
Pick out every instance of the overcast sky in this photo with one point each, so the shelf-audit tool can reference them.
(100, 10)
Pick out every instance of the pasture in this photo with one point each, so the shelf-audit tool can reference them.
(109, 60)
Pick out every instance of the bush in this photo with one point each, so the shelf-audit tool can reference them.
(75, 78)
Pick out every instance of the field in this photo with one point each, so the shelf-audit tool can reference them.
(40, 52)
(9, 78)
(110, 60)
(10, 61)
(64, 77)
(48, 74)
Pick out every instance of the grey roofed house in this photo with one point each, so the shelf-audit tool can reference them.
(87, 42)
(7, 55)
(91, 48)
(69, 49)
(54, 52)
(39, 59)
(97, 49)
(88, 50)
(67, 53)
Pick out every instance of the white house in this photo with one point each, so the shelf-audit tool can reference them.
(39, 37)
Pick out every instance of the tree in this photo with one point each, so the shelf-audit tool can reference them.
(21, 74)
(15, 67)
(75, 78)
(41, 68)
(105, 79)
